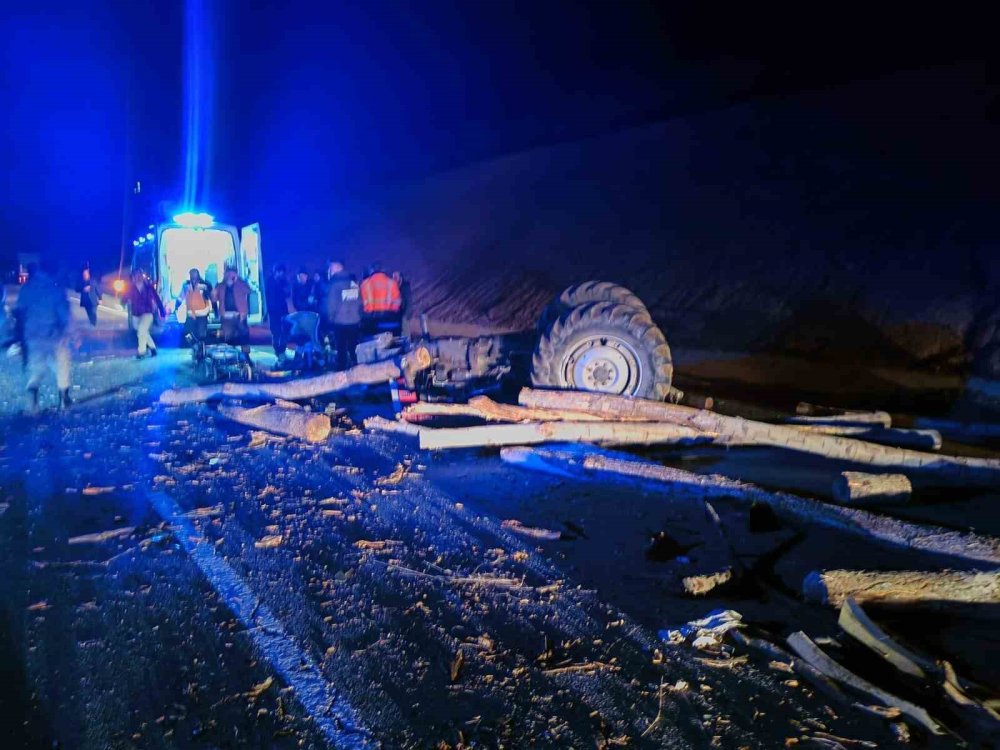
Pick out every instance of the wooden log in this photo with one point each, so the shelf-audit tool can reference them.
(855, 622)
(584, 461)
(961, 431)
(857, 488)
(811, 653)
(483, 407)
(928, 440)
(290, 390)
(805, 409)
(309, 426)
(854, 419)
(939, 470)
(534, 433)
(902, 587)
(381, 424)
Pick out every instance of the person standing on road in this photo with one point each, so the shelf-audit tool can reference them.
(196, 296)
(233, 299)
(381, 301)
(144, 303)
(43, 309)
(90, 294)
(278, 294)
(302, 290)
(343, 314)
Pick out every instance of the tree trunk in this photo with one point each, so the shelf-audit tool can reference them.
(533, 433)
(290, 390)
(962, 431)
(299, 423)
(941, 470)
(583, 461)
(834, 587)
(853, 419)
(856, 488)
(381, 424)
(483, 407)
(927, 440)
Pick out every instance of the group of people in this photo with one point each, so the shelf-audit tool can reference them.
(347, 309)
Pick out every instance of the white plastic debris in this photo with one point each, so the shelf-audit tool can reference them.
(706, 633)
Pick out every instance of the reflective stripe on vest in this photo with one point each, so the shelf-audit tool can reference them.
(380, 294)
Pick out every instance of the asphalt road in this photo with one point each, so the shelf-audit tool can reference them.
(172, 580)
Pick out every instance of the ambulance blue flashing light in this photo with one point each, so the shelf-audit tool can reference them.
(192, 219)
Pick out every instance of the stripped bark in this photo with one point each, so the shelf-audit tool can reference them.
(905, 587)
(309, 426)
(534, 433)
(290, 390)
(857, 488)
(941, 470)
(577, 461)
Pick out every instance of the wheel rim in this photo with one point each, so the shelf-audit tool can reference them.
(605, 364)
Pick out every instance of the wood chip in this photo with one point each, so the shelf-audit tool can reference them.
(269, 542)
(91, 491)
(534, 532)
(102, 536)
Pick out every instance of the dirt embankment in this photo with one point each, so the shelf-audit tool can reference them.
(848, 223)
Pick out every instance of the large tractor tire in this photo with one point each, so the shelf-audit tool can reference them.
(581, 294)
(604, 347)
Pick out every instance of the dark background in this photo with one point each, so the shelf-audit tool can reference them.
(317, 104)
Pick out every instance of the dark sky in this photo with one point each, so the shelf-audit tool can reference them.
(317, 101)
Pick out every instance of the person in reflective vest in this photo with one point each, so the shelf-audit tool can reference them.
(381, 302)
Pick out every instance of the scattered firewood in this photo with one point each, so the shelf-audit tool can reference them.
(700, 585)
(91, 491)
(308, 426)
(534, 532)
(929, 588)
(857, 488)
(456, 665)
(269, 542)
(533, 433)
(810, 652)
(943, 470)
(582, 461)
(291, 390)
(379, 545)
(588, 668)
(102, 536)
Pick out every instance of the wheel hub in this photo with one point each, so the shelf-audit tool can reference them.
(606, 364)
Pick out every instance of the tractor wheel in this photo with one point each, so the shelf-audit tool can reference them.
(604, 347)
(581, 294)
(206, 370)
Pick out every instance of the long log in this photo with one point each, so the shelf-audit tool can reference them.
(309, 426)
(485, 408)
(585, 461)
(857, 488)
(961, 431)
(811, 653)
(854, 419)
(854, 621)
(927, 440)
(805, 409)
(535, 433)
(381, 424)
(904, 587)
(941, 470)
(290, 390)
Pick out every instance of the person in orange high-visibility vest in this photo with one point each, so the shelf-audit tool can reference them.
(381, 302)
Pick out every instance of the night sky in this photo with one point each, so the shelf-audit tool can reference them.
(312, 102)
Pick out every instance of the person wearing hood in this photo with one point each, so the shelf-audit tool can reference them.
(43, 309)
(343, 314)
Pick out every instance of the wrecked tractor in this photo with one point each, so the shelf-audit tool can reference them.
(595, 336)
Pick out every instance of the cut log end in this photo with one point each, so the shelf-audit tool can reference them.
(858, 488)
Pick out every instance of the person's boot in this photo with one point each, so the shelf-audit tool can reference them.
(152, 352)
(64, 400)
(33, 400)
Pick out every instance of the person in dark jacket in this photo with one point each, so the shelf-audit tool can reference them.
(90, 294)
(302, 289)
(144, 303)
(343, 314)
(44, 313)
(233, 299)
(278, 294)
